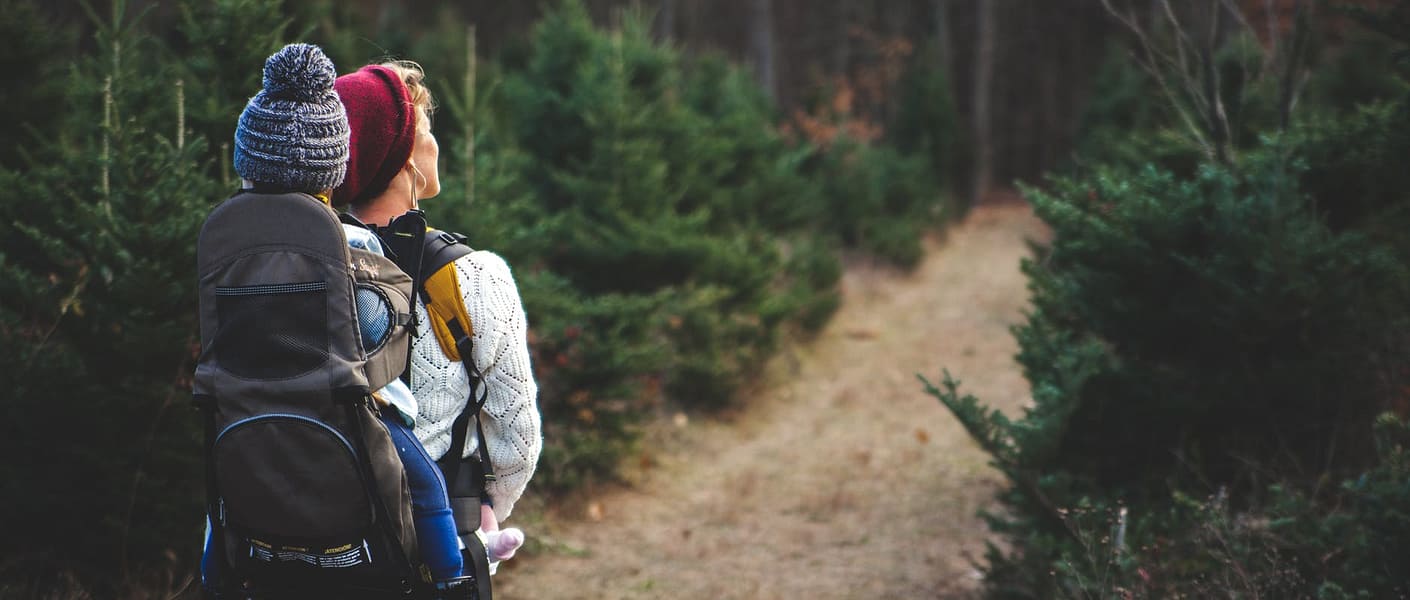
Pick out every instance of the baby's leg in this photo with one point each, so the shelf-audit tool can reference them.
(430, 508)
(212, 567)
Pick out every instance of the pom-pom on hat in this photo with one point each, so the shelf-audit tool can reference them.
(383, 122)
(294, 133)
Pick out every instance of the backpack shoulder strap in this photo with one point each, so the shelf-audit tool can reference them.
(440, 290)
(454, 331)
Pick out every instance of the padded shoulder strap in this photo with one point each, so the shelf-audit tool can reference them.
(450, 321)
(441, 290)
(440, 248)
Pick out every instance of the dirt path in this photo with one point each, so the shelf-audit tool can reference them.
(840, 479)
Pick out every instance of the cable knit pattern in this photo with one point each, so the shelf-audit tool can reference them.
(511, 415)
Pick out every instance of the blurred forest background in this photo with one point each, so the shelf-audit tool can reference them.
(1217, 346)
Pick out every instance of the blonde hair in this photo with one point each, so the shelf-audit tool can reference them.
(413, 76)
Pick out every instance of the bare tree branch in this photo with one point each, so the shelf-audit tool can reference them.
(1151, 64)
(1274, 39)
(1186, 64)
(1189, 76)
(1213, 88)
(1271, 18)
(1290, 82)
(1266, 61)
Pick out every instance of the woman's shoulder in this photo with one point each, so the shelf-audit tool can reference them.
(488, 288)
(485, 262)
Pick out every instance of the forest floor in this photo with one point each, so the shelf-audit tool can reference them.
(837, 477)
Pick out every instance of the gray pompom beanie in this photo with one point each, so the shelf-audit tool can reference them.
(294, 133)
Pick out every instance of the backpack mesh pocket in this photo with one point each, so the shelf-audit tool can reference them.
(272, 331)
(374, 317)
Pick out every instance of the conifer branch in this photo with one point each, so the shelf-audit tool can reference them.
(105, 154)
(225, 159)
(180, 115)
(619, 81)
(69, 302)
(140, 473)
(470, 115)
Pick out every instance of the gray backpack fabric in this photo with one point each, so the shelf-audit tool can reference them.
(305, 488)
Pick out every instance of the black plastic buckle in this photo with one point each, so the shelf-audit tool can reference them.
(448, 238)
(354, 395)
(458, 588)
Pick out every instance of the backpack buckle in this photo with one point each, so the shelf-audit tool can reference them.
(456, 588)
(448, 238)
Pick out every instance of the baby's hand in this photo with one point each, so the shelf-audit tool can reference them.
(502, 544)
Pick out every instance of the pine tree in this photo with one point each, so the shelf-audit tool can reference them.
(665, 221)
(220, 44)
(1207, 349)
(30, 79)
(96, 258)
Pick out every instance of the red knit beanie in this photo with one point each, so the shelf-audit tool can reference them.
(383, 123)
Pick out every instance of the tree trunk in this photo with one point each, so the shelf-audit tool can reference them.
(943, 43)
(983, 98)
(666, 21)
(469, 92)
(842, 44)
(1058, 48)
(761, 40)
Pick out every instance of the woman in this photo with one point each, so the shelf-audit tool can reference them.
(392, 168)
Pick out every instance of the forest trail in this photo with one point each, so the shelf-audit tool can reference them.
(838, 477)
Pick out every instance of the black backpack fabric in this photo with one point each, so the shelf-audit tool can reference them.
(306, 494)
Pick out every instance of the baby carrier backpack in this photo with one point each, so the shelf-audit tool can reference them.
(307, 497)
(428, 255)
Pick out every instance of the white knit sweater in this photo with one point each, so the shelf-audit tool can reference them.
(441, 387)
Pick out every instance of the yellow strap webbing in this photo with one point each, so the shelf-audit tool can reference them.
(444, 303)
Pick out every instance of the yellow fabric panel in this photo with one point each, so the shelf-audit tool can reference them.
(446, 303)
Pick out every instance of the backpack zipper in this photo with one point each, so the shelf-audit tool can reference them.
(315, 422)
(347, 445)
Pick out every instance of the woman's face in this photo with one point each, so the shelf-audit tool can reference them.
(425, 154)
